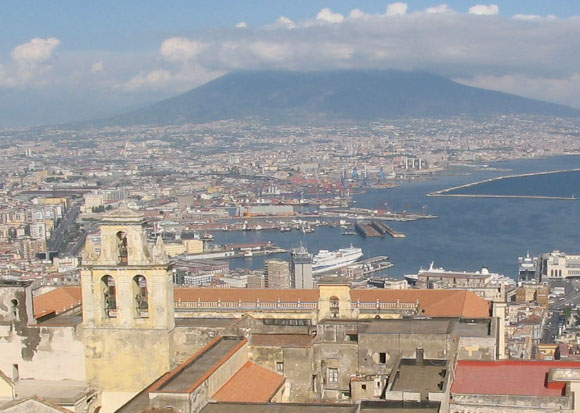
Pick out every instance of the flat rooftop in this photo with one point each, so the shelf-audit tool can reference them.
(368, 406)
(405, 326)
(420, 378)
(281, 340)
(185, 376)
(61, 391)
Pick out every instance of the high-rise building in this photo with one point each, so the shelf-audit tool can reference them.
(301, 269)
(277, 274)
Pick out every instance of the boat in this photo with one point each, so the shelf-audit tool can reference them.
(492, 279)
(326, 260)
(528, 269)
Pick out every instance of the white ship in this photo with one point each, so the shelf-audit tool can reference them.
(493, 278)
(326, 260)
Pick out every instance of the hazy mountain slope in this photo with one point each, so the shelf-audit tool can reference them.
(355, 95)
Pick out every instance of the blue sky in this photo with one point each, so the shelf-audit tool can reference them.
(69, 60)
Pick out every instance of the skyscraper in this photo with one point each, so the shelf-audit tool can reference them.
(301, 269)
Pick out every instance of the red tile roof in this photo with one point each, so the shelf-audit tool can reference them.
(436, 303)
(245, 294)
(250, 384)
(57, 301)
(509, 377)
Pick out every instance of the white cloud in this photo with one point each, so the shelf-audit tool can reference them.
(442, 8)
(152, 80)
(180, 49)
(242, 25)
(564, 89)
(328, 16)
(35, 51)
(356, 14)
(397, 9)
(534, 17)
(484, 9)
(271, 51)
(285, 22)
(30, 63)
(98, 67)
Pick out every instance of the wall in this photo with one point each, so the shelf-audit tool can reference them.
(127, 360)
(298, 368)
(474, 403)
(43, 353)
(340, 356)
(397, 346)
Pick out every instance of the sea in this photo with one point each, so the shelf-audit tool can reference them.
(469, 233)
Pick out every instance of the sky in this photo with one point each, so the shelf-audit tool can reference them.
(75, 59)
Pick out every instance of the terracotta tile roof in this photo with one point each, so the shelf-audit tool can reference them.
(511, 377)
(250, 384)
(245, 294)
(436, 303)
(57, 301)
(281, 340)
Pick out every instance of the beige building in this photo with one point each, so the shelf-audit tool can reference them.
(277, 274)
(558, 265)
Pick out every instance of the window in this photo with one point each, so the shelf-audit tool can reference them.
(14, 308)
(280, 366)
(334, 306)
(122, 247)
(382, 358)
(363, 386)
(15, 373)
(353, 337)
(141, 296)
(109, 296)
(332, 375)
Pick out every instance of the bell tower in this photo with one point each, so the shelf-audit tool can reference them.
(128, 318)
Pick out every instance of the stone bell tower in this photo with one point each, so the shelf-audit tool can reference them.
(128, 318)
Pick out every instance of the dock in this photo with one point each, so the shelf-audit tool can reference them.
(385, 229)
(367, 230)
(373, 265)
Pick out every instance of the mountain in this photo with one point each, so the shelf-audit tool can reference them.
(349, 95)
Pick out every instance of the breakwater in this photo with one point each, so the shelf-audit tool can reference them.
(447, 192)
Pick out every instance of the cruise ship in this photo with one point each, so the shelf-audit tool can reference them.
(326, 260)
(434, 273)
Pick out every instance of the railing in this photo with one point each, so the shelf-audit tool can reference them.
(280, 305)
(245, 305)
(385, 306)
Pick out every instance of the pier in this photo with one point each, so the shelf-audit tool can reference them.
(373, 265)
(385, 229)
(367, 230)
(445, 192)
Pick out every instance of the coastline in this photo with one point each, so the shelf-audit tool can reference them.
(445, 192)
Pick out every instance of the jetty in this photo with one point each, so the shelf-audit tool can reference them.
(367, 230)
(445, 192)
(385, 229)
(373, 265)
